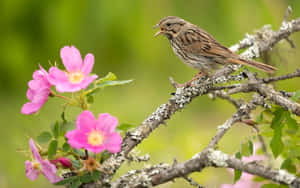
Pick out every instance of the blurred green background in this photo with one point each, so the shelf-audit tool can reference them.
(119, 33)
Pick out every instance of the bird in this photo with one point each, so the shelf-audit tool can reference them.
(199, 49)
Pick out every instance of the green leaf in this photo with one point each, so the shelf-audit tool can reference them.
(63, 116)
(269, 185)
(296, 96)
(90, 99)
(258, 179)
(56, 129)
(238, 155)
(294, 152)
(66, 147)
(66, 126)
(44, 137)
(250, 144)
(67, 180)
(113, 83)
(291, 122)
(237, 173)
(245, 149)
(124, 127)
(279, 115)
(276, 143)
(259, 119)
(75, 163)
(110, 76)
(96, 174)
(76, 183)
(79, 152)
(104, 155)
(86, 178)
(288, 165)
(52, 149)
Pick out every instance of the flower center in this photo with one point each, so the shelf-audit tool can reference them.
(75, 77)
(36, 165)
(95, 138)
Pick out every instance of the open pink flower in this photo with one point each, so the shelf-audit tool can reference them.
(95, 135)
(38, 165)
(77, 75)
(38, 92)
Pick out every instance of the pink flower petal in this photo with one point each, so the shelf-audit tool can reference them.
(85, 121)
(35, 151)
(87, 81)
(107, 123)
(113, 142)
(95, 149)
(71, 58)
(57, 76)
(49, 171)
(77, 139)
(30, 108)
(30, 94)
(88, 64)
(30, 172)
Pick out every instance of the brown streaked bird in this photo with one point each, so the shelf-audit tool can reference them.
(198, 49)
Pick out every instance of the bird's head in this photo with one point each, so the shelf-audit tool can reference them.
(170, 26)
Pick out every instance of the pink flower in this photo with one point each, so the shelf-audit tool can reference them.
(95, 135)
(246, 179)
(77, 75)
(38, 92)
(34, 168)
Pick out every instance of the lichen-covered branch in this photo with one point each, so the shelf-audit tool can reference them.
(159, 174)
(262, 41)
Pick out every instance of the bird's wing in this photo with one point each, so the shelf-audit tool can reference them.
(198, 41)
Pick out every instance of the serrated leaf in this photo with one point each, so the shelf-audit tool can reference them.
(75, 184)
(276, 143)
(86, 178)
(44, 137)
(288, 165)
(55, 129)
(52, 148)
(124, 127)
(296, 96)
(67, 180)
(279, 115)
(66, 147)
(291, 122)
(96, 174)
(79, 152)
(66, 126)
(75, 163)
(237, 175)
(113, 83)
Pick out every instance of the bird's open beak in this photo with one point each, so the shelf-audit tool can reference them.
(158, 32)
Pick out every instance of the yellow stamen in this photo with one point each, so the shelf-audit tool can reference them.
(95, 138)
(75, 77)
(36, 165)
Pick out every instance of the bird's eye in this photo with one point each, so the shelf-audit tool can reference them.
(168, 24)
